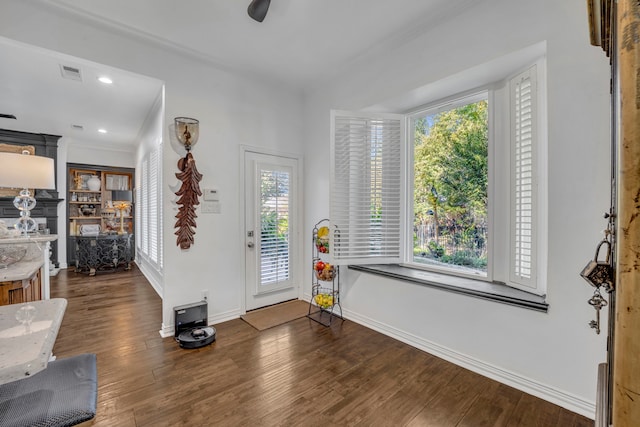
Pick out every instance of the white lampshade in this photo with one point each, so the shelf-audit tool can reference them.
(26, 171)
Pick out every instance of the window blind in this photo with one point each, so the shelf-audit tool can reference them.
(159, 215)
(523, 178)
(274, 226)
(149, 209)
(138, 213)
(366, 187)
(144, 206)
(152, 202)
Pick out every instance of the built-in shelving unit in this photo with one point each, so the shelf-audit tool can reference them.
(94, 202)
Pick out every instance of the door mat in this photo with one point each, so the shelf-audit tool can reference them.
(268, 317)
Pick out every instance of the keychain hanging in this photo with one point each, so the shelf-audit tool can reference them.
(597, 301)
(600, 273)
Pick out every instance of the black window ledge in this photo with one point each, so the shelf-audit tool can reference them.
(496, 292)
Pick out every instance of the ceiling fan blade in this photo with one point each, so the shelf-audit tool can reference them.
(258, 9)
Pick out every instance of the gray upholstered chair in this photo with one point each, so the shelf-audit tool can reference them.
(63, 394)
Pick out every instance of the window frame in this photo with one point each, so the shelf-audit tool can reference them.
(446, 104)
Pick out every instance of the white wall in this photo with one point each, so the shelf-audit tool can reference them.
(553, 355)
(233, 109)
(78, 152)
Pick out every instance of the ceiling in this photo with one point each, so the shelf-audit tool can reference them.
(300, 42)
(33, 89)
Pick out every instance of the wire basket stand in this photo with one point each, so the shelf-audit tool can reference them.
(325, 279)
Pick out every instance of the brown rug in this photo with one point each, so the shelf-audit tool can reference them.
(268, 317)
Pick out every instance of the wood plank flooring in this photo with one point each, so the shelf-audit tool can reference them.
(296, 374)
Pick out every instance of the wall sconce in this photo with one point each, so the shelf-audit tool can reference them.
(27, 172)
(187, 132)
(121, 201)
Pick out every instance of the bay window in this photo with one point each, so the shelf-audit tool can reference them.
(456, 187)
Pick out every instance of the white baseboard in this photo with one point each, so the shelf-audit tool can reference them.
(224, 317)
(152, 276)
(527, 385)
(166, 331)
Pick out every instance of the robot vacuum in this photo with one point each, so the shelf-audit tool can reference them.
(191, 330)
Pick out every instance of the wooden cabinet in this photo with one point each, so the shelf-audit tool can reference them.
(99, 202)
(103, 253)
(25, 290)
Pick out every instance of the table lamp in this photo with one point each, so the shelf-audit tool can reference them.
(26, 171)
(121, 201)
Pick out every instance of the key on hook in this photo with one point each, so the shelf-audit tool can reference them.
(597, 302)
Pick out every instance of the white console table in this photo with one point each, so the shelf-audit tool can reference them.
(27, 334)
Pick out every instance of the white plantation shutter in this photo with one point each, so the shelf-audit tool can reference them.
(523, 178)
(144, 207)
(366, 187)
(153, 201)
(159, 204)
(138, 213)
(148, 208)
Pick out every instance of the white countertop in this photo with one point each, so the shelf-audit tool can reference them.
(20, 270)
(33, 259)
(35, 238)
(25, 348)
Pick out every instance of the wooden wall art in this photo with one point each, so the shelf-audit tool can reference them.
(188, 199)
(187, 132)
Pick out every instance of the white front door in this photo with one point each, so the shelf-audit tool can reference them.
(272, 244)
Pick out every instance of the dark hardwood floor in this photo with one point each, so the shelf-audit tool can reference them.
(297, 374)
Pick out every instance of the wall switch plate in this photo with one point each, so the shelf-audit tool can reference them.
(210, 207)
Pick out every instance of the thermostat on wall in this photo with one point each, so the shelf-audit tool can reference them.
(211, 203)
(211, 194)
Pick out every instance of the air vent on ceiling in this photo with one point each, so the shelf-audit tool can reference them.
(77, 127)
(71, 73)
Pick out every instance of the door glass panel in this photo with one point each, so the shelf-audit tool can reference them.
(274, 226)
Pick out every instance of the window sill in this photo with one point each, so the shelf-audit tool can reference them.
(491, 291)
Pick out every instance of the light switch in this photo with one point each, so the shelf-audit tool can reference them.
(210, 207)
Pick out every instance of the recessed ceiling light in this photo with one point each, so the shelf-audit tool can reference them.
(105, 80)
(102, 130)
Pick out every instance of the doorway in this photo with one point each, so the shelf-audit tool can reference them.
(271, 236)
